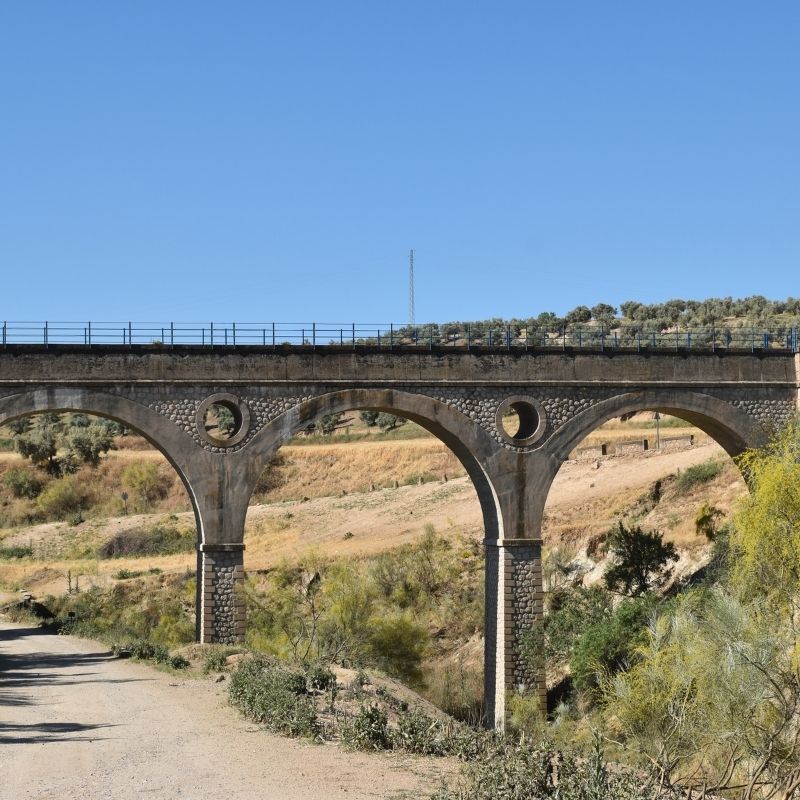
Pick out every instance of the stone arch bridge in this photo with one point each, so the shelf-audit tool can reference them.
(460, 397)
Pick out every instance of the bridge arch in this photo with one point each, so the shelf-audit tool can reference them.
(147, 423)
(469, 442)
(733, 429)
(158, 431)
(484, 462)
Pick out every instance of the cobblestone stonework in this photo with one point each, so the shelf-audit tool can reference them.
(560, 404)
(771, 409)
(223, 613)
(481, 405)
(524, 601)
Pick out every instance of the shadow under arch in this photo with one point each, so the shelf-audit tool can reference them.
(460, 434)
(146, 422)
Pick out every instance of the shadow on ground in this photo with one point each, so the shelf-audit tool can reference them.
(24, 674)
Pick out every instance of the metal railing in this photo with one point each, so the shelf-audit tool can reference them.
(391, 336)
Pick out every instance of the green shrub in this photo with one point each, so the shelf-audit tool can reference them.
(520, 770)
(215, 661)
(368, 730)
(610, 644)
(125, 574)
(418, 733)
(272, 695)
(698, 474)
(571, 612)
(147, 483)
(23, 483)
(398, 645)
(16, 552)
(320, 677)
(178, 662)
(63, 498)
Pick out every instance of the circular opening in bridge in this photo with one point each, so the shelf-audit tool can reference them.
(520, 421)
(223, 420)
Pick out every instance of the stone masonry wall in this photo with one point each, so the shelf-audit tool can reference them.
(524, 609)
(223, 611)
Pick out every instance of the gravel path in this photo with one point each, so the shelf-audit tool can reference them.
(77, 723)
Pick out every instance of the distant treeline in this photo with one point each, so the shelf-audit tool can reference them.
(758, 312)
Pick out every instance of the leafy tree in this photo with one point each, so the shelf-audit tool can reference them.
(58, 446)
(388, 422)
(329, 423)
(641, 561)
(369, 418)
(19, 426)
(604, 313)
(88, 443)
(40, 444)
(579, 314)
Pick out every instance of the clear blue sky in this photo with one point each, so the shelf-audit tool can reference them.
(254, 161)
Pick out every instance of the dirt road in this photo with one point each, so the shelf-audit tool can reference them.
(78, 723)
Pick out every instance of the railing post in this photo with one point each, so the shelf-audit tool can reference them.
(172, 334)
(234, 334)
(5, 340)
(273, 335)
(469, 338)
(313, 335)
(688, 340)
(391, 336)
(580, 338)
(354, 336)
(430, 338)
(564, 334)
(602, 339)
(45, 334)
(713, 340)
(130, 334)
(379, 338)
(212, 333)
(508, 338)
